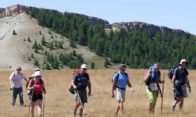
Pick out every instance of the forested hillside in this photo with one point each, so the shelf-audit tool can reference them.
(138, 48)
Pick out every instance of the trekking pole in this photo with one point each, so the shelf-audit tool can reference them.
(77, 93)
(162, 93)
(43, 105)
(30, 104)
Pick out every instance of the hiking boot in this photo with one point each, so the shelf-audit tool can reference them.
(13, 104)
(172, 108)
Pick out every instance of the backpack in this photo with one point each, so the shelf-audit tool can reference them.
(148, 81)
(30, 92)
(71, 88)
(170, 73)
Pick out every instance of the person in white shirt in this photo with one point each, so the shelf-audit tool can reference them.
(16, 85)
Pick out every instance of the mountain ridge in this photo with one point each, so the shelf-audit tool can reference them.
(15, 9)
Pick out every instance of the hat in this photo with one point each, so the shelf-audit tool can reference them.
(123, 66)
(83, 66)
(182, 61)
(37, 73)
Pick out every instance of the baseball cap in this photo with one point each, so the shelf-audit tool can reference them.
(83, 66)
(182, 61)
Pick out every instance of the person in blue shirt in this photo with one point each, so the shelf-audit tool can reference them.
(180, 82)
(120, 80)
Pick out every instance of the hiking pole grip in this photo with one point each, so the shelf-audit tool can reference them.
(162, 92)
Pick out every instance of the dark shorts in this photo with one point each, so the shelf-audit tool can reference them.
(36, 97)
(179, 90)
(82, 96)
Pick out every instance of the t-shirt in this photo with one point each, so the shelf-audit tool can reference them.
(38, 86)
(121, 80)
(181, 74)
(16, 79)
(81, 80)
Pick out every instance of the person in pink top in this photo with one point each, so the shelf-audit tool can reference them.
(36, 85)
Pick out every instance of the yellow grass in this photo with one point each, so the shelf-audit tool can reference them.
(59, 102)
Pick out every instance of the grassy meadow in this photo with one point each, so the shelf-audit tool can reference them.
(59, 102)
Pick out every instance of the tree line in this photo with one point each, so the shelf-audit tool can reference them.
(136, 48)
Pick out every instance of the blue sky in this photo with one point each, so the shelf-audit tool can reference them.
(176, 14)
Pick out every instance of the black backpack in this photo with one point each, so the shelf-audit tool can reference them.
(170, 73)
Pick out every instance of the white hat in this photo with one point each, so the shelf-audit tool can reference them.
(37, 73)
(182, 61)
(83, 66)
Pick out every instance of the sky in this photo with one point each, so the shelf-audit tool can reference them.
(175, 14)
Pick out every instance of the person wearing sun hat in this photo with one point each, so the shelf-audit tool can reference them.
(180, 82)
(36, 85)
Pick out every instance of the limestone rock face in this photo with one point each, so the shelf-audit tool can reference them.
(129, 26)
(11, 10)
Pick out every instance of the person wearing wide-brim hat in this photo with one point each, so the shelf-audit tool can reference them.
(180, 82)
(36, 85)
(120, 81)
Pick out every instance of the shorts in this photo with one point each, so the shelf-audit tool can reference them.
(81, 95)
(152, 95)
(120, 94)
(36, 97)
(180, 91)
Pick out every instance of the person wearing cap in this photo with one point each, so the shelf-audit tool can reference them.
(151, 79)
(36, 85)
(120, 81)
(80, 81)
(16, 85)
(180, 82)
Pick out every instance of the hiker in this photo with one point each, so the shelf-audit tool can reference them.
(79, 82)
(120, 80)
(36, 85)
(16, 85)
(180, 82)
(37, 70)
(152, 80)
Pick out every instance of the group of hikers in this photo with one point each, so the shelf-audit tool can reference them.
(81, 80)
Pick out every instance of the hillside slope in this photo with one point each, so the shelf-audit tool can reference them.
(16, 49)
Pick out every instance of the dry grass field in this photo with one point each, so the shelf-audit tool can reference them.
(59, 102)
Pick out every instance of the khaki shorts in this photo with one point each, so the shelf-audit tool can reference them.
(152, 95)
(120, 94)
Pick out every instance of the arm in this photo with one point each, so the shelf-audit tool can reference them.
(43, 87)
(29, 86)
(113, 88)
(10, 81)
(188, 84)
(161, 81)
(89, 87)
(129, 83)
(147, 76)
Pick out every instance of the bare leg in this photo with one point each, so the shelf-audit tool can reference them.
(32, 109)
(122, 106)
(39, 107)
(151, 108)
(76, 107)
(118, 107)
(81, 110)
(181, 103)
